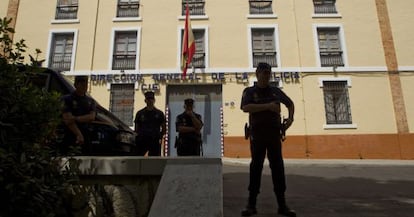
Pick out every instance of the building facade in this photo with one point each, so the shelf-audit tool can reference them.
(347, 65)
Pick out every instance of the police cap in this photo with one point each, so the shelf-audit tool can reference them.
(149, 95)
(189, 101)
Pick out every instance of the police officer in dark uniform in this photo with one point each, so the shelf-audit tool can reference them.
(78, 110)
(262, 102)
(150, 128)
(188, 126)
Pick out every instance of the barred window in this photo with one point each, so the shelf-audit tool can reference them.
(122, 102)
(125, 50)
(324, 6)
(66, 9)
(260, 7)
(61, 51)
(199, 58)
(128, 8)
(264, 46)
(337, 106)
(330, 50)
(195, 7)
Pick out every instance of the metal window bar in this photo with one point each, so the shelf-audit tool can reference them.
(324, 7)
(337, 106)
(196, 7)
(268, 57)
(66, 10)
(61, 62)
(122, 102)
(123, 61)
(260, 7)
(198, 61)
(128, 9)
(331, 59)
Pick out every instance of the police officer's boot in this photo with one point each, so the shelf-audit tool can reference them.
(251, 206)
(283, 208)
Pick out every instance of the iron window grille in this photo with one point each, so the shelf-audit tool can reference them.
(195, 7)
(260, 7)
(337, 106)
(199, 58)
(124, 56)
(128, 8)
(324, 6)
(330, 50)
(122, 102)
(61, 51)
(66, 9)
(264, 48)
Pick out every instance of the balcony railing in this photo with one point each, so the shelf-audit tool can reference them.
(128, 9)
(61, 62)
(331, 59)
(325, 9)
(260, 7)
(66, 12)
(198, 61)
(126, 62)
(267, 57)
(195, 8)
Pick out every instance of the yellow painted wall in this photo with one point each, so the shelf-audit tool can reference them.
(407, 83)
(3, 8)
(401, 13)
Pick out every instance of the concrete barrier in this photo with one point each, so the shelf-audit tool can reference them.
(181, 186)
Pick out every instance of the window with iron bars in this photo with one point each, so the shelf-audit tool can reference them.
(330, 50)
(128, 8)
(66, 9)
(260, 7)
(337, 106)
(125, 51)
(200, 51)
(195, 7)
(324, 6)
(264, 47)
(61, 51)
(122, 102)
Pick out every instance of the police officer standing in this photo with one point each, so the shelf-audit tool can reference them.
(150, 128)
(188, 125)
(78, 110)
(262, 102)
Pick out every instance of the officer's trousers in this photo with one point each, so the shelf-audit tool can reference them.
(260, 144)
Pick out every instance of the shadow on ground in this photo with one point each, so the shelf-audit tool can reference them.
(324, 197)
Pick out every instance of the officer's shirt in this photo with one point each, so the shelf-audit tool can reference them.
(185, 120)
(149, 122)
(265, 119)
(78, 105)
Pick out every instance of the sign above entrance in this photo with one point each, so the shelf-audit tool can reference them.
(292, 77)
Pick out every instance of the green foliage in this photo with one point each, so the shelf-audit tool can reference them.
(33, 181)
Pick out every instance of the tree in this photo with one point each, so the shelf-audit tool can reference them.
(33, 181)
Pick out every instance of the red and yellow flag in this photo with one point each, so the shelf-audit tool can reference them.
(188, 45)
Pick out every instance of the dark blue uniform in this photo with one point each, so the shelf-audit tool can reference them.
(148, 123)
(265, 137)
(189, 143)
(78, 106)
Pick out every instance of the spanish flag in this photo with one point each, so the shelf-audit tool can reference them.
(188, 44)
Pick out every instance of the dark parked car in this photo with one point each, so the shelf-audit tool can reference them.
(106, 136)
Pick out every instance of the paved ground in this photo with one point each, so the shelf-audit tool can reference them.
(328, 188)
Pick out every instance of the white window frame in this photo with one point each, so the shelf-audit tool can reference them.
(349, 84)
(341, 40)
(74, 47)
(250, 46)
(112, 44)
(206, 44)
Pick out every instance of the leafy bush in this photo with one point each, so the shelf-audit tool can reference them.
(32, 180)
